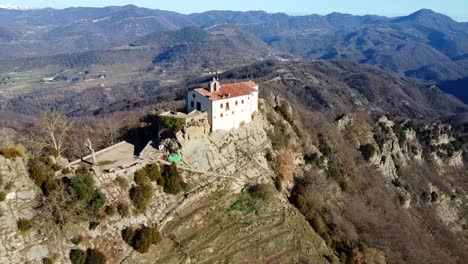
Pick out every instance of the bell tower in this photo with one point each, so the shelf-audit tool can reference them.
(214, 85)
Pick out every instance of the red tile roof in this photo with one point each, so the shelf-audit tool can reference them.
(229, 90)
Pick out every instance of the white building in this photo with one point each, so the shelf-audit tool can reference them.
(227, 105)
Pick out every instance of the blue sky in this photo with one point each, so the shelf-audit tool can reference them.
(458, 9)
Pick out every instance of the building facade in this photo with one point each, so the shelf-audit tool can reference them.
(227, 106)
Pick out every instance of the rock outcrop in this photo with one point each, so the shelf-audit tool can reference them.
(17, 246)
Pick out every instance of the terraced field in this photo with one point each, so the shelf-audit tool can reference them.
(226, 228)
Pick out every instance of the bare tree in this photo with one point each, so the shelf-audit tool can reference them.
(111, 130)
(90, 147)
(35, 147)
(55, 128)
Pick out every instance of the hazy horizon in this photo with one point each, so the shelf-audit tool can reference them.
(297, 8)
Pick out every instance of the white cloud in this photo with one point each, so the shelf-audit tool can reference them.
(17, 7)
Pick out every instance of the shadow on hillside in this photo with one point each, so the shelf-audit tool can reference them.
(458, 88)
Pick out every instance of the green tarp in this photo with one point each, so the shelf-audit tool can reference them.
(174, 158)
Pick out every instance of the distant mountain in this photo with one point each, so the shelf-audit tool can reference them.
(221, 46)
(430, 19)
(166, 39)
(339, 86)
(424, 45)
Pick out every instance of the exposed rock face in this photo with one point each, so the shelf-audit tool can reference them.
(344, 122)
(17, 246)
(220, 150)
(450, 212)
(398, 151)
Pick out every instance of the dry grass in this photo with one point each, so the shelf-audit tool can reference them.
(13, 151)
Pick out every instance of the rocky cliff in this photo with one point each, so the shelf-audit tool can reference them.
(214, 219)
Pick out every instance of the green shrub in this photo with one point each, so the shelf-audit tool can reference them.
(39, 172)
(142, 238)
(47, 261)
(154, 172)
(77, 256)
(140, 196)
(82, 170)
(12, 152)
(123, 183)
(311, 158)
(93, 225)
(173, 182)
(269, 155)
(110, 210)
(49, 186)
(426, 196)
(82, 189)
(141, 177)
(2, 196)
(170, 122)
(244, 203)
(94, 256)
(343, 184)
(76, 240)
(400, 133)
(280, 136)
(318, 224)
(301, 203)
(24, 225)
(398, 170)
(334, 172)
(42, 175)
(367, 151)
(263, 192)
(127, 235)
(324, 147)
(98, 201)
(66, 170)
(123, 209)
